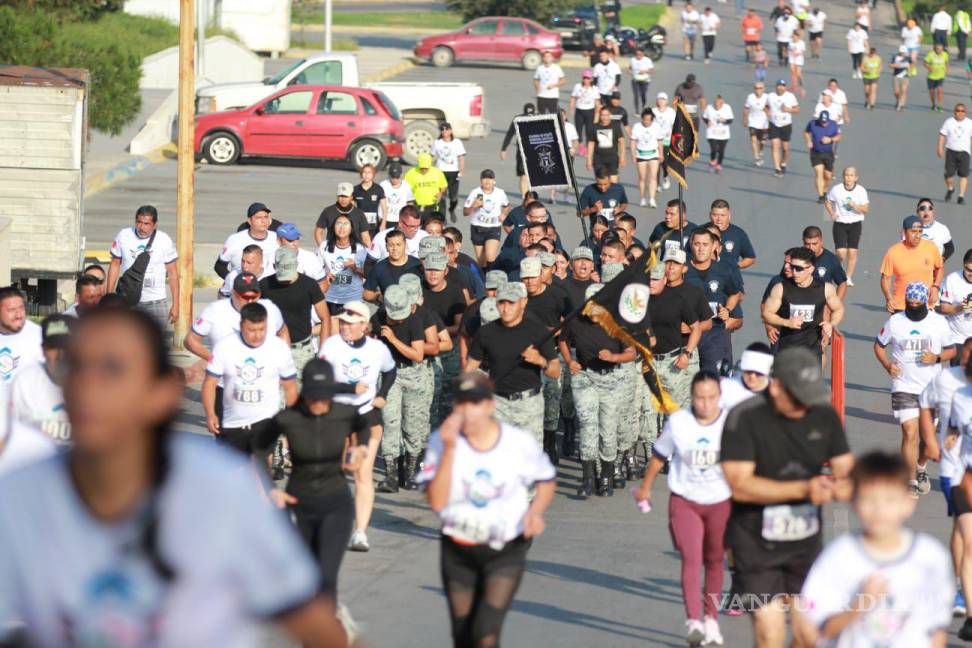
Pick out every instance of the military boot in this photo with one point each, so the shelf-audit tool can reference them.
(411, 464)
(390, 483)
(631, 464)
(618, 479)
(587, 480)
(550, 445)
(570, 430)
(607, 471)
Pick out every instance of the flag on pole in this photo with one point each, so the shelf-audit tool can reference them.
(544, 151)
(621, 309)
(684, 146)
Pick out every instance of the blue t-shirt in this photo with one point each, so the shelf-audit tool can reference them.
(818, 131)
(736, 245)
(828, 268)
(670, 236)
(610, 199)
(718, 282)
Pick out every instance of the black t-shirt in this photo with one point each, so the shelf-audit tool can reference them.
(549, 306)
(449, 303)
(695, 297)
(407, 331)
(827, 268)
(359, 222)
(719, 281)
(667, 311)
(471, 320)
(501, 346)
(606, 138)
(428, 317)
(367, 200)
(316, 446)
(575, 291)
(294, 301)
(384, 274)
(619, 114)
(783, 450)
(588, 339)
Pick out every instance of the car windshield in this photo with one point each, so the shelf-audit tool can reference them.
(280, 76)
(389, 106)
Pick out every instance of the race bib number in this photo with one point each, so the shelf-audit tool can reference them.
(372, 217)
(58, 429)
(804, 311)
(472, 529)
(343, 279)
(248, 395)
(790, 522)
(647, 153)
(701, 458)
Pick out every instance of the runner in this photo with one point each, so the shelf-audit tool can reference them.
(444, 295)
(343, 256)
(785, 25)
(822, 135)
(666, 233)
(757, 120)
(690, 28)
(692, 96)
(487, 526)
(815, 22)
(397, 194)
(699, 503)
(936, 63)
(487, 207)
(796, 56)
(547, 81)
(717, 117)
(605, 147)
(409, 224)
(911, 37)
(760, 61)
(709, 23)
(956, 304)
(781, 105)
(641, 67)
(933, 230)
(752, 29)
(20, 338)
(841, 113)
(647, 142)
(583, 104)
(36, 396)
(88, 291)
(665, 115)
(343, 206)
(899, 66)
(862, 15)
(603, 198)
(369, 198)
(941, 27)
(723, 288)
(826, 264)
(857, 45)
(449, 156)
(429, 184)
(871, 67)
(847, 204)
(955, 145)
(912, 260)
(736, 246)
(258, 232)
(755, 365)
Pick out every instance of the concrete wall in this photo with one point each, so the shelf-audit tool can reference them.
(5, 252)
(226, 61)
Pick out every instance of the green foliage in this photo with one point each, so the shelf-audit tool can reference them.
(69, 9)
(643, 16)
(539, 10)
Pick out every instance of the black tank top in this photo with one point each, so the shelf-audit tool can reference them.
(809, 304)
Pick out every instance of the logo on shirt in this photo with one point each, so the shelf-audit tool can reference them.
(249, 372)
(481, 490)
(730, 246)
(355, 370)
(713, 286)
(821, 271)
(8, 363)
(633, 304)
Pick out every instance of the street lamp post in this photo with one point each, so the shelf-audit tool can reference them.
(186, 166)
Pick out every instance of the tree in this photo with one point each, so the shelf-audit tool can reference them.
(539, 10)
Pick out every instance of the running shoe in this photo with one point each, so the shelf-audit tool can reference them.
(850, 282)
(961, 200)
(712, 166)
(452, 215)
(653, 204)
(913, 490)
(718, 168)
(713, 636)
(643, 203)
(948, 194)
(695, 632)
(924, 484)
(965, 632)
(350, 625)
(759, 162)
(666, 184)
(783, 167)
(778, 173)
(359, 542)
(959, 609)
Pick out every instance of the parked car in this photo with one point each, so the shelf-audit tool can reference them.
(359, 125)
(576, 27)
(499, 39)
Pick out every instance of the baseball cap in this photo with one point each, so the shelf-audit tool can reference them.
(511, 291)
(288, 231)
(799, 371)
(413, 286)
(472, 388)
(587, 74)
(431, 244)
(591, 290)
(916, 291)
(615, 95)
(488, 310)
(398, 306)
(610, 271)
(657, 271)
(345, 189)
(662, 95)
(255, 208)
(246, 283)
(781, 82)
(910, 221)
(285, 263)
(445, 125)
(424, 161)
(56, 331)
(435, 261)
(494, 279)
(547, 259)
(673, 254)
(582, 252)
(487, 173)
(355, 312)
(318, 380)
(824, 115)
(530, 268)
(395, 170)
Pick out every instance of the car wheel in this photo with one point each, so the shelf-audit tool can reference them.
(222, 148)
(368, 152)
(442, 57)
(532, 60)
(419, 137)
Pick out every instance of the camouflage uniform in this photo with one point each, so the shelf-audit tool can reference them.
(551, 402)
(629, 416)
(406, 412)
(597, 402)
(678, 384)
(446, 371)
(525, 413)
(303, 352)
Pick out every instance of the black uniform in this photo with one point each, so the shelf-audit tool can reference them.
(368, 200)
(589, 339)
(448, 303)
(294, 300)
(668, 310)
(549, 307)
(503, 345)
(808, 303)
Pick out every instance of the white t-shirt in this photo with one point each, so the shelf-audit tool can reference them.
(941, 21)
(19, 350)
(863, 15)
(857, 41)
(22, 444)
(716, 121)
(956, 290)
(840, 198)
(236, 557)
(710, 23)
(960, 417)
(233, 249)
(446, 155)
(127, 246)
(347, 285)
(585, 97)
(646, 140)
(835, 112)
(690, 21)
(251, 378)
(733, 392)
(548, 76)
(220, 319)
(665, 119)
(957, 134)
(785, 26)
(310, 264)
(777, 102)
(937, 233)
(921, 587)
(839, 97)
(911, 37)
(695, 472)
(641, 68)
(493, 203)
(489, 493)
(396, 198)
(605, 75)
(815, 22)
(756, 111)
(353, 365)
(36, 400)
(907, 340)
(939, 396)
(571, 133)
(378, 251)
(796, 52)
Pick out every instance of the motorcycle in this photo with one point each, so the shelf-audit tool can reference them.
(630, 39)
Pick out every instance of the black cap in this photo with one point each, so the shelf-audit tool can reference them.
(56, 331)
(472, 388)
(615, 95)
(799, 371)
(445, 125)
(487, 173)
(395, 170)
(256, 207)
(246, 282)
(529, 109)
(318, 380)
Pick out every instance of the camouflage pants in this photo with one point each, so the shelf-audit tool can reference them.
(678, 384)
(597, 402)
(629, 416)
(525, 413)
(406, 412)
(566, 394)
(446, 370)
(302, 353)
(551, 402)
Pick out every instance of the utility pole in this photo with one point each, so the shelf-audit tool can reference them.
(185, 226)
(201, 38)
(327, 25)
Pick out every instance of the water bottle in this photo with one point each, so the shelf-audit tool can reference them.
(644, 505)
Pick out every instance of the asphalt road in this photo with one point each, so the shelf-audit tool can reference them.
(603, 574)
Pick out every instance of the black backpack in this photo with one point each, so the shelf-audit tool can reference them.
(130, 283)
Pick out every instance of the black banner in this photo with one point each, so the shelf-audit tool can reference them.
(684, 144)
(545, 156)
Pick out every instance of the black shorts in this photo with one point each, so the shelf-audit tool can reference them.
(847, 236)
(826, 159)
(956, 163)
(935, 83)
(607, 162)
(781, 132)
(815, 35)
(958, 503)
(464, 566)
(372, 418)
(751, 43)
(242, 438)
(761, 575)
(479, 235)
(759, 133)
(335, 309)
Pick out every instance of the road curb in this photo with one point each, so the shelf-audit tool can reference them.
(377, 30)
(125, 170)
(389, 72)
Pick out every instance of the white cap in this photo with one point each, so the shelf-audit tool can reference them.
(757, 362)
(662, 95)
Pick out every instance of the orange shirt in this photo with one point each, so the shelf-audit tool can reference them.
(751, 28)
(907, 264)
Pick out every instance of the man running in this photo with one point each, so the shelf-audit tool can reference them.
(826, 264)
(914, 259)
(755, 114)
(20, 339)
(822, 135)
(723, 291)
(955, 145)
(847, 204)
(258, 232)
(736, 246)
(934, 230)
(782, 105)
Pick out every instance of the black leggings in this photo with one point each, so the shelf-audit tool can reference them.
(452, 193)
(325, 524)
(708, 42)
(717, 150)
(584, 121)
(782, 50)
(480, 583)
(640, 91)
(664, 162)
(856, 60)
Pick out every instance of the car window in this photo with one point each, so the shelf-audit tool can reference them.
(320, 73)
(337, 103)
(292, 103)
(484, 28)
(389, 105)
(368, 108)
(513, 28)
(533, 30)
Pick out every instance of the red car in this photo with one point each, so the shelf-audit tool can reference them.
(501, 39)
(359, 125)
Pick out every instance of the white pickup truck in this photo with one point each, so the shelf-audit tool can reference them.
(422, 105)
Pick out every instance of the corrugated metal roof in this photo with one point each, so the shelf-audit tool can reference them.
(25, 75)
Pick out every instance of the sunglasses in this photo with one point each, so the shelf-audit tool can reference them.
(926, 208)
(797, 268)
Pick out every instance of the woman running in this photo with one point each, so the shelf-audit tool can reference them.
(343, 258)
(478, 473)
(167, 536)
(647, 142)
(797, 54)
(700, 502)
(665, 116)
(584, 101)
(561, 265)
(449, 155)
(717, 117)
(871, 71)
